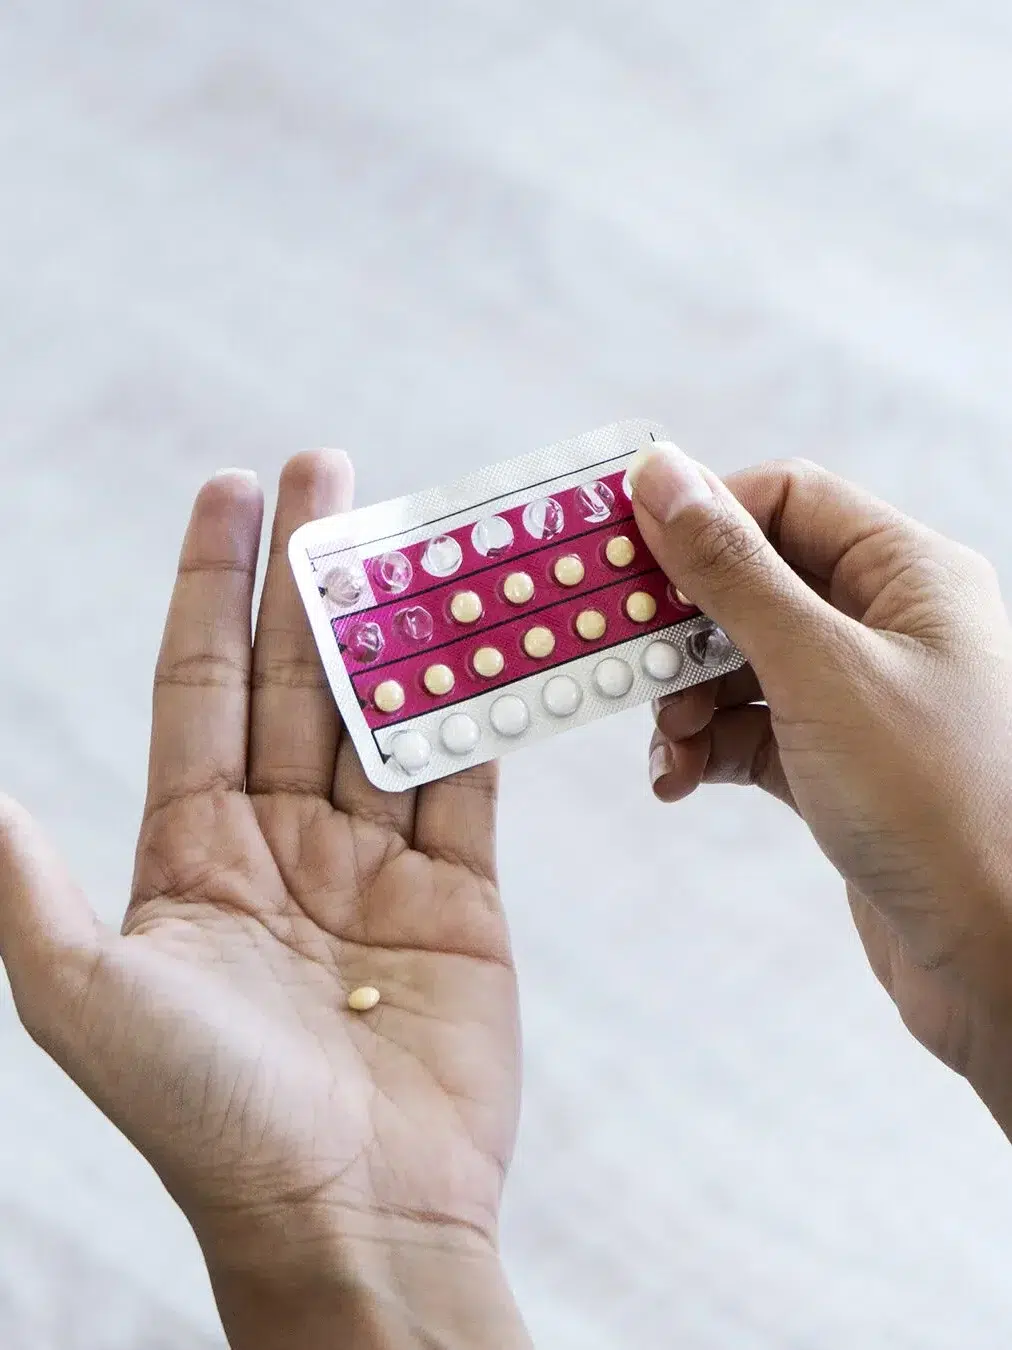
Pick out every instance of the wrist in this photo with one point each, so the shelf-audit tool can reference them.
(418, 1284)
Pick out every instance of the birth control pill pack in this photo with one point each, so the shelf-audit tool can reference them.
(466, 621)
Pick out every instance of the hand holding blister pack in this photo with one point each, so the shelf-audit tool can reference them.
(462, 622)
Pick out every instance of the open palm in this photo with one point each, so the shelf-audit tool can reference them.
(272, 879)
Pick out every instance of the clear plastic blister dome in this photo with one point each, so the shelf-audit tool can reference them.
(364, 641)
(414, 623)
(544, 519)
(392, 572)
(443, 556)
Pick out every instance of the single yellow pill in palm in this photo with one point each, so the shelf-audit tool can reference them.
(620, 550)
(590, 624)
(388, 696)
(568, 571)
(438, 680)
(488, 662)
(364, 999)
(641, 606)
(539, 642)
(466, 607)
(518, 588)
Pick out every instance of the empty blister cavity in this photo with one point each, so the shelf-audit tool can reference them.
(488, 662)
(392, 572)
(509, 716)
(411, 751)
(343, 585)
(518, 588)
(415, 623)
(544, 519)
(466, 607)
(710, 646)
(569, 570)
(364, 641)
(460, 734)
(438, 680)
(662, 660)
(562, 696)
(493, 537)
(442, 556)
(613, 678)
(388, 697)
(595, 502)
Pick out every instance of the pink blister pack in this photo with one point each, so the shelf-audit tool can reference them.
(466, 621)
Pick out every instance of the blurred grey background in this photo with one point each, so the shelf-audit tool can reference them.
(437, 234)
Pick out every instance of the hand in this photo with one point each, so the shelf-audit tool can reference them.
(884, 656)
(312, 1149)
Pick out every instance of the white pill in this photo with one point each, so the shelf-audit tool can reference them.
(562, 696)
(459, 734)
(509, 715)
(613, 677)
(662, 661)
(411, 751)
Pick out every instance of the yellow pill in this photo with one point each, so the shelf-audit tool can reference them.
(682, 598)
(590, 624)
(518, 588)
(569, 570)
(620, 550)
(364, 999)
(438, 679)
(641, 606)
(539, 642)
(488, 662)
(466, 607)
(388, 696)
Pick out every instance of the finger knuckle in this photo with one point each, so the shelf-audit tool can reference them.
(723, 546)
(200, 670)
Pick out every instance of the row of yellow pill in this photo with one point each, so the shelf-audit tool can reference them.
(538, 643)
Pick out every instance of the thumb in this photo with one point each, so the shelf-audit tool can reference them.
(715, 553)
(50, 938)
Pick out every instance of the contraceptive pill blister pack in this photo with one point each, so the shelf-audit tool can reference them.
(462, 622)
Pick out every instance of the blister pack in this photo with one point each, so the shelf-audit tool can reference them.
(462, 622)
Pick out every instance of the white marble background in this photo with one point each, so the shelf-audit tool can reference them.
(436, 234)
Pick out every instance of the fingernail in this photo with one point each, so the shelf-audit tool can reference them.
(661, 761)
(665, 481)
(248, 475)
